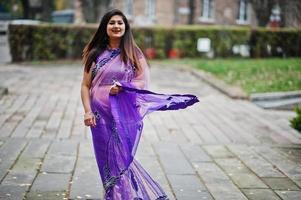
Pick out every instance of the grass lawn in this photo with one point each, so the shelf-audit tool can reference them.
(252, 75)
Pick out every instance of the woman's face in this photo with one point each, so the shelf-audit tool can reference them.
(116, 27)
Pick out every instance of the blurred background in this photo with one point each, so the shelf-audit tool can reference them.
(163, 29)
(221, 37)
(272, 13)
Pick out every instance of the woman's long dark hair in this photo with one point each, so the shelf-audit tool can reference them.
(100, 40)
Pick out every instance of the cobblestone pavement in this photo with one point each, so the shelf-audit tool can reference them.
(220, 148)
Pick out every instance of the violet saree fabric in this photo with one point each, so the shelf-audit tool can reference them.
(119, 126)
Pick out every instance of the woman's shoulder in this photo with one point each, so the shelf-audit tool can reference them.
(139, 52)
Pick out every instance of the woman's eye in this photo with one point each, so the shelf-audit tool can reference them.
(120, 23)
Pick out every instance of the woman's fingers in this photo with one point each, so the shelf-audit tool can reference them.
(94, 121)
(115, 90)
(89, 121)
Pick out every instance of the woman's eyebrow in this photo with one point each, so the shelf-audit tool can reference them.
(116, 20)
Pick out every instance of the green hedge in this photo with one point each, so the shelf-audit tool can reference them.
(47, 41)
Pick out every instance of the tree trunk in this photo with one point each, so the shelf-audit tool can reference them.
(78, 12)
(262, 10)
(47, 7)
(25, 5)
(191, 13)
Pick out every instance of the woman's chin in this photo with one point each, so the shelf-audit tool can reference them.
(116, 36)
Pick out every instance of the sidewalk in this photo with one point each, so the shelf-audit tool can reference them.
(219, 149)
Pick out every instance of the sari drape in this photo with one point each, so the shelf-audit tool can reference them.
(119, 120)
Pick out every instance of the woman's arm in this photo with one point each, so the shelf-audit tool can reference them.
(141, 81)
(89, 118)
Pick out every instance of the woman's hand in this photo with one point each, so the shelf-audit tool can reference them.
(115, 89)
(89, 119)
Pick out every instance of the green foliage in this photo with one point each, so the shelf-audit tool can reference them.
(253, 75)
(282, 42)
(47, 42)
(296, 122)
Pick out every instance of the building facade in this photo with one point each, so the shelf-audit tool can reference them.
(179, 12)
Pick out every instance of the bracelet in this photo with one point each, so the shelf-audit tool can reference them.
(90, 113)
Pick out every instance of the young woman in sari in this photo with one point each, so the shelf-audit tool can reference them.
(115, 99)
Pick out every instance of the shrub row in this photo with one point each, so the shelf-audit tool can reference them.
(47, 41)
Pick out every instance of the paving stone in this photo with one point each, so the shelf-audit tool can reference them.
(204, 133)
(293, 153)
(298, 182)
(12, 192)
(66, 147)
(190, 134)
(36, 148)
(288, 167)
(12, 148)
(86, 150)
(247, 181)
(218, 151)
(217, 182)
(281, 184)
(54, 121)
(27, 165)
(169, 134)
(289, 195)
(172, 159)
(21, 130)
(58, 164)
(53, 195)
(9, 153)
(20, 179)
(225, 190)
(210, 172)
(37, 129)
(200, 195)
(65, 128)
(145, 149)
(255, 162)
(53, 111)
(7, 128)
(86, 182)
(260, 194)
(188, 186)
(46, 182)
(240, 174)
(195, 153)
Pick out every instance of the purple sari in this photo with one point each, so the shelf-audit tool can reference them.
(119, 125)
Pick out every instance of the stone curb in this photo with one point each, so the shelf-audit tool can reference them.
(275, 95)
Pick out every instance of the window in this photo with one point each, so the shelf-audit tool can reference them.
(150, 9)
(128, 8)
(207, 10)
(243, 8)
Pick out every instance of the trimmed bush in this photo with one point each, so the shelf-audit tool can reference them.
(48, 41)
(296, 122)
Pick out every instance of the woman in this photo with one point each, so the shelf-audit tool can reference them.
(115, 100)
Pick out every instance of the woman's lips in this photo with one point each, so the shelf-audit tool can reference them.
(116, 31)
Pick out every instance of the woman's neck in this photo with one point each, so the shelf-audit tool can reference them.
(114, 43)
